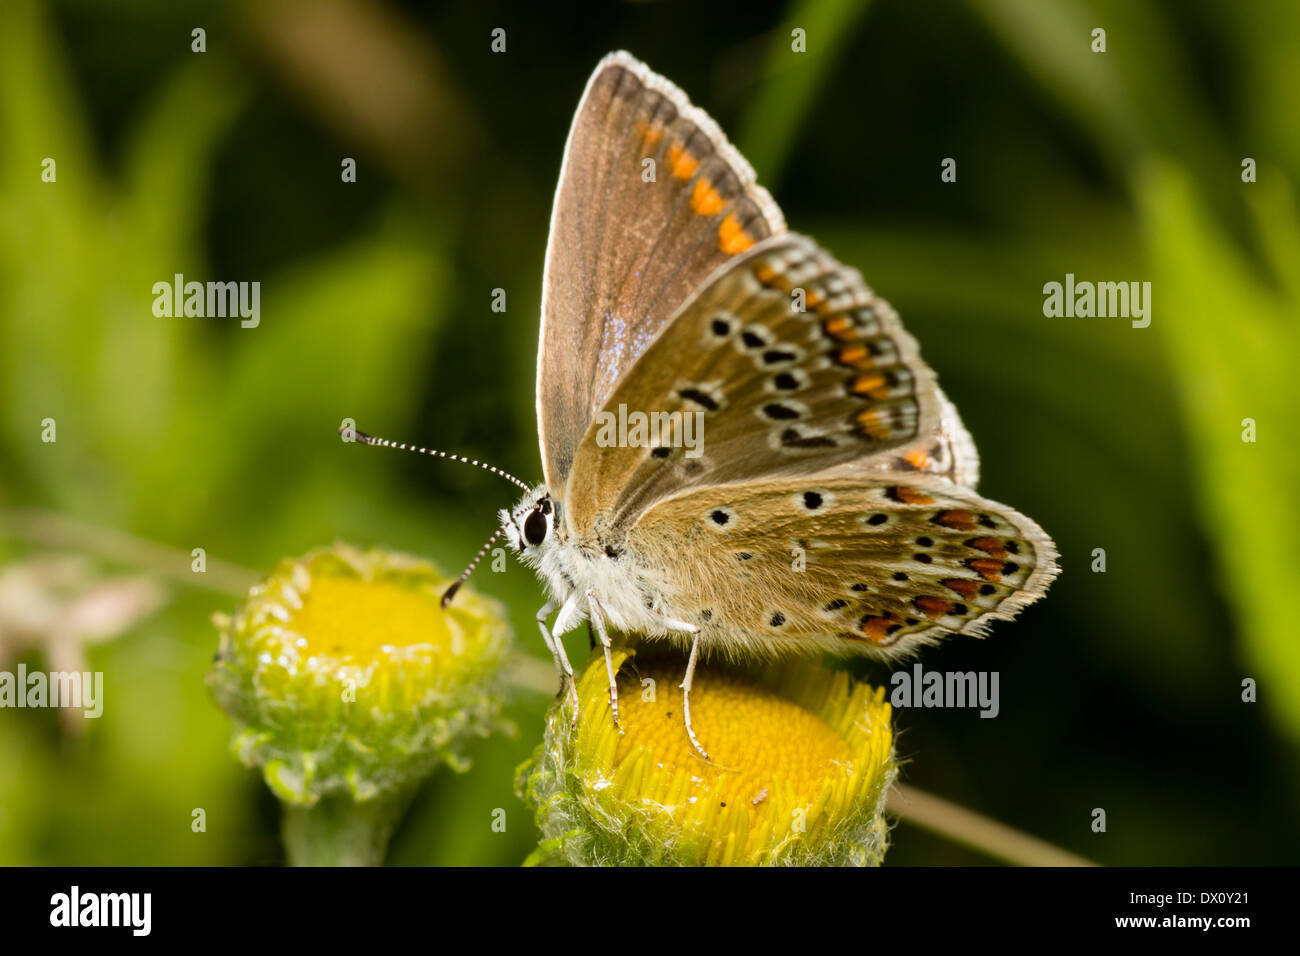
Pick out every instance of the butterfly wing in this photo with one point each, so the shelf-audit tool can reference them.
(651, 200)
(838, 387)
(878, 567)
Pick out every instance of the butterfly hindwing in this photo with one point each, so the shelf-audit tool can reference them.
(651, 200)
(789, 365)
(878, 568)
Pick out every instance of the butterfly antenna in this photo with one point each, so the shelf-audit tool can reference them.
(464, 575)
(402, 446)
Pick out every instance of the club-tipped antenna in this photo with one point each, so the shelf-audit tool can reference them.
(402, 446)
(464, 575)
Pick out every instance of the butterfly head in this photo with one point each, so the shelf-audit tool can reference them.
(530, 526)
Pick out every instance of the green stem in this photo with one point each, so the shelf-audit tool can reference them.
(338, 831)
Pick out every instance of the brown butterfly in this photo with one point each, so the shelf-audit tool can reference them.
(824, 502)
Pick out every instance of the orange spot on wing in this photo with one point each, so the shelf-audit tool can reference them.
(990, 569)
(933, 607)
(963, 586)
(917, 459)
(682, 163)
(651, 133)
(958, 520)
(854, 356)
(990, 546)
(770, 277)
(878, 628)
(871, 384)
(705, 200)
(911, 496)
(871, 423)
(732, 238)
(840, 327)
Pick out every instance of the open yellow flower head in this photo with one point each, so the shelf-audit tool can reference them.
(801, 760)
(345, 676)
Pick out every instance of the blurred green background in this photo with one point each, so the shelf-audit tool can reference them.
(1123, 690)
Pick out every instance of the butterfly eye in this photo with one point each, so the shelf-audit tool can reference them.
(535, 528)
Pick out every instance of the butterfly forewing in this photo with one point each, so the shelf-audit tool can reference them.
(651, 200)
(877, 568)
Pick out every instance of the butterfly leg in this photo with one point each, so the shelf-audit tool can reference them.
(686, 694)
(686, 628)
(562, 665)
(598, 618)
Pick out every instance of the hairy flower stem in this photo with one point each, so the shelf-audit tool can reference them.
(338, 831)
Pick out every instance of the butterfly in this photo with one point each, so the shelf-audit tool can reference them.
(829, 505)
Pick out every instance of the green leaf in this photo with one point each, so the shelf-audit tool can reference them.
(790, 80)
(1233, 342)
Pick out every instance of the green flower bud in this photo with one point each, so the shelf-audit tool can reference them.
(347, 680)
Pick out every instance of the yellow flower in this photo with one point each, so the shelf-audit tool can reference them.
(346, 677)
(801, 760)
